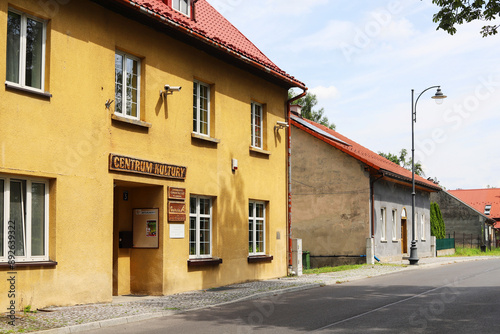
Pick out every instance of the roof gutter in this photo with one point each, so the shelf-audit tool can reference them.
(289, 168)
(163, 19)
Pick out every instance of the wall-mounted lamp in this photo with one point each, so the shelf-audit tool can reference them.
(170, 90)
(280, 125)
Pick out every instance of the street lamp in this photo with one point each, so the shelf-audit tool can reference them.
(438, 97)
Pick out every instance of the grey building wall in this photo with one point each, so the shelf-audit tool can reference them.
(397, 197)
(459, 218)
(330, 201)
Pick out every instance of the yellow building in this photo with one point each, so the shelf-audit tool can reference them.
(139, 152)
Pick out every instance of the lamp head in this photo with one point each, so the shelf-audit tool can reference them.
(439, 96)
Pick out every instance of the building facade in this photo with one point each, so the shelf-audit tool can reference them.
(345, 195)
(138, 151)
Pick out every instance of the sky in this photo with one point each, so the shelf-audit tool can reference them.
(363, 58)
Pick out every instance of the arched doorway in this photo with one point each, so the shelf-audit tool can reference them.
(404, 232)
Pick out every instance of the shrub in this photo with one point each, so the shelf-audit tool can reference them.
(437, 223)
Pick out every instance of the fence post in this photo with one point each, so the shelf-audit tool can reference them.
(454, 242)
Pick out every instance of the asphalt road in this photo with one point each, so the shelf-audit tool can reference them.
(455, 298)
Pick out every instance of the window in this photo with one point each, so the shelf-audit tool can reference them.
(256, 123)
(25, 50)
(200, 227)
(182, 6)
(24, 219)
(383, 220)
(256, 228)
(422, 227)
(127, 85)
(487, 209)
(394, 225)
(201, 108)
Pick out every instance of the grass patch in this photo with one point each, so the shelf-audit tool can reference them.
(466, 251)
(345, 267)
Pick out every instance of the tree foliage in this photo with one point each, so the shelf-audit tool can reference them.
(437, 223)
(308, 102)
(401, 160)
(456, 12)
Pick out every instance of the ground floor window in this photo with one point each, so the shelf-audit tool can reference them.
(24, 219)
(256, 228)
(200, 227)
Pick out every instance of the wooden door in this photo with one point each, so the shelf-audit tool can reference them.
(404, 236)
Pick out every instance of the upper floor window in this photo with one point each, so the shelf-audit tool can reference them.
(127, 85)
(25, 50)
(256, 125)
(256, 228)
(201, 108)
(24, 220)
(200, 227)
(183, 6)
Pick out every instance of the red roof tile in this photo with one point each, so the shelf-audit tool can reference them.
(215, 29)
(366, 156)
(479, 198)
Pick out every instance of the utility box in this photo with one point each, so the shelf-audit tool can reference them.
(297, 256)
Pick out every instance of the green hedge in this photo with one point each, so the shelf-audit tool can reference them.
(437, 223)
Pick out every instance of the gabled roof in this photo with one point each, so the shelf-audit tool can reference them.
(489, 219)
(208, 25)
(479, 198)
(370, 158)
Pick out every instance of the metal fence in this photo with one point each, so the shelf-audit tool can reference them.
(464, 240)
(445, 243)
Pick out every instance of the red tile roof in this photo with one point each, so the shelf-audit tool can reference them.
(479, 198)
(215, 30)
(364, 155)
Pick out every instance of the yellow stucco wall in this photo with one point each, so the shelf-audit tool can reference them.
(67, 139)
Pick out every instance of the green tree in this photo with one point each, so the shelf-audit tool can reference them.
(307, 103)
(456, 12)
(401, 160)
(437, 223)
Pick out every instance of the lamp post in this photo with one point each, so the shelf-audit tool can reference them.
(439, 96)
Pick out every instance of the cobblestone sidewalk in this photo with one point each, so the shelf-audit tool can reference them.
(129, 309)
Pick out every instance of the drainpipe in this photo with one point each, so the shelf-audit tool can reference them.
(289, 226)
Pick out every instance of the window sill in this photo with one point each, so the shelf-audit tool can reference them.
(395, 241)
(33, 91)
(259, 150)
(30, 264)
(204, 262)
(259, 258)
(131, 121)
(205, 138)
(383, 241)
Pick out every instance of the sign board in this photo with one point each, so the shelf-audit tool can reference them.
(177, 193)
(145, 228)
(176, 211)
(138, 166)
(176, 231)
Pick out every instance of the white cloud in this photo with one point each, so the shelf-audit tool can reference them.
(325, 93)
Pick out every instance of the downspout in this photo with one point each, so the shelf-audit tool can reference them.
(289, 165)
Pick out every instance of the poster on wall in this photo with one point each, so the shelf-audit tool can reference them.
(145, 228)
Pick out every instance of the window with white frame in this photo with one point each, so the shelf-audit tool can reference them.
(127, 85)
(183, 6)
(200, 227)
(25, 50)
(487, 209)
(256, 124)
(256, 228)
(394, 225)
(201, 108)
(383, 224)
(422, 227)
(24, 219)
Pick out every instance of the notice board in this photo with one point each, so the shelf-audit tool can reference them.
(145, 228)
